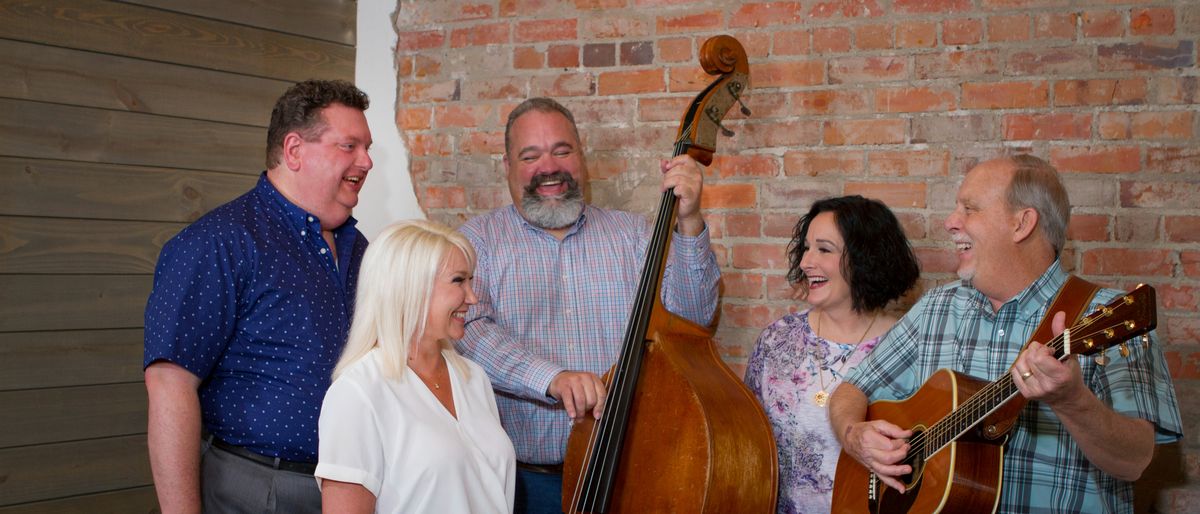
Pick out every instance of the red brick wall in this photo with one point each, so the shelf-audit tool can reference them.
(889, 99)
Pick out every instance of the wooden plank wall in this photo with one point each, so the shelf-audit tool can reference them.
(122, 122)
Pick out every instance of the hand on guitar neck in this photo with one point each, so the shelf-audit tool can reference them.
(1040, 376)
(1119, 445)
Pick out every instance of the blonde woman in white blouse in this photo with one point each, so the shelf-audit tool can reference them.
(409, 425)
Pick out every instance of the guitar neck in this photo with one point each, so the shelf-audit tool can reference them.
(1131, 315)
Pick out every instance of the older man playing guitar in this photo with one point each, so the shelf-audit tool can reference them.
(1089, 426)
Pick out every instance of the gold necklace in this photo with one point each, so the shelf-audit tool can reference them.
(425, 379)
(820, 398)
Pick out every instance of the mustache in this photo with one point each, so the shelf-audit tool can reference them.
(538, 180)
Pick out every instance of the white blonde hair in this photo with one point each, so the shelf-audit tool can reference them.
(395, 282)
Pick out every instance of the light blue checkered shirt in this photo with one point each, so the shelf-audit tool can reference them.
(1044, 471)
(546, 306)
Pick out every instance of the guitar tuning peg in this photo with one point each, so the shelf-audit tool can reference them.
(1145, 341)
(1101, 359)
(1124, 350)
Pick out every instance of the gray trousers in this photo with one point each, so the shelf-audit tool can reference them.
(232, 484)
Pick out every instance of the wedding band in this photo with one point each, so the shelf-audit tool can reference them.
(1026, 374)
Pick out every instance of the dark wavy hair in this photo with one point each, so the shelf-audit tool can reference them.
(877, 261)
(298, 110)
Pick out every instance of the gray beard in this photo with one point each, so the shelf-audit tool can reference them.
(553, 213)
(966, 276)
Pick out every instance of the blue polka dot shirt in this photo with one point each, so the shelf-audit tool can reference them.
(250, 299)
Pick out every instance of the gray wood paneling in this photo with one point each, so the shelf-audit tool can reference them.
(331, 20)
(157, 35)
(139, 500)
(63, 302)
(40, 416)
(52, 245)
(69, 358)
(66, 469)
(66, 76)
(122, 121)
(33, 187)
(116, 137)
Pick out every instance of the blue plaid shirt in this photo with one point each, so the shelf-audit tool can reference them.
(546, 306)
(249, 299)
(955, 327)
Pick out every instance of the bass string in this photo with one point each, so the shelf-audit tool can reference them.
(589, 487)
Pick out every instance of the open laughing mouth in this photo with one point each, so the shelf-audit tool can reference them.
(550, 185)
(355, 181)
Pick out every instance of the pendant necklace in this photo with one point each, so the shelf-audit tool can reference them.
(428, 381)
(820, 398)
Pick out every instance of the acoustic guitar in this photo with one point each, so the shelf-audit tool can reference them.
(960, 424)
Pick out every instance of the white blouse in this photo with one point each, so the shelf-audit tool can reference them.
(395, 439)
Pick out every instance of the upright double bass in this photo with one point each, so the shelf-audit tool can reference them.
(679, 431)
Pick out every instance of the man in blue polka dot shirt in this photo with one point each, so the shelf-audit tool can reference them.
(249, 313)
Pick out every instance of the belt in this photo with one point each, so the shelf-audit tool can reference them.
(546, 469)
(306, 468)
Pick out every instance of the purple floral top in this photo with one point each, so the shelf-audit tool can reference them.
(783, 373)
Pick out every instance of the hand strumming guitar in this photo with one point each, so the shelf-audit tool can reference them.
(878, 445)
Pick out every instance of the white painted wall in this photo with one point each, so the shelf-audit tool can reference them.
(388, 194)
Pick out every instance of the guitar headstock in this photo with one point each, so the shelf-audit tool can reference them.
(1131, 315)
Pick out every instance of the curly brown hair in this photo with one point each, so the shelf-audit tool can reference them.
(877, 261)
(298, 110)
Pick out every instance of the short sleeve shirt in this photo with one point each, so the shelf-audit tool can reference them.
(250, 299)
(955, 327)
(398, 441)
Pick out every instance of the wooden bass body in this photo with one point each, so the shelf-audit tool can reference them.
(697, 440)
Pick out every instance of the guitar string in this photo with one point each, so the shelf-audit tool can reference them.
(953, 424)
(976, 406)
(1001, 390)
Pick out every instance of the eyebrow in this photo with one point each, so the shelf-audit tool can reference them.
(555, 146)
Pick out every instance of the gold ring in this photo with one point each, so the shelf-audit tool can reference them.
(1026, 374)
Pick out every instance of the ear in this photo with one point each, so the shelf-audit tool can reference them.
(506, 162)
(1026, 224)
(293, 150)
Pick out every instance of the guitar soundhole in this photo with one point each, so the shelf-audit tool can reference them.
(892, 501)
(917, 461)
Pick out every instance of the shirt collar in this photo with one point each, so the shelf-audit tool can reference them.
(1038, 294)
(295, 215)
(575, 227)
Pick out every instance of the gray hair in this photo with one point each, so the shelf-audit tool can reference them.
(540, 104)
(1035, 184)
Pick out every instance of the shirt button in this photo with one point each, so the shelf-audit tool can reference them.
(1001, 332)
(310, 219)
(304, 232)
(322, 251)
